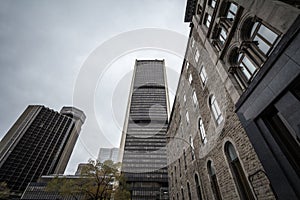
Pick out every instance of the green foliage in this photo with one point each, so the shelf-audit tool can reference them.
(96, 182)
(4, 191)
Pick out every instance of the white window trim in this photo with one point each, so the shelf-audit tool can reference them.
(202, 131)
(203, 75)
(190, 78)
(216, 110)
(187, 117)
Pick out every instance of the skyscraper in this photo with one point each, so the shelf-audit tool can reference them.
(143, 143)
(39, 143)
(108, 154)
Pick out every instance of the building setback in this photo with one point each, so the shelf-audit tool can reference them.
(108, 154)
(143, 143)
(39, 143)
(240, 78)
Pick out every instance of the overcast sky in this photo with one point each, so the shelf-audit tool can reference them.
(45, 44)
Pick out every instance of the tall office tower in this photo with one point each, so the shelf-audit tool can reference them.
(108, 154)
(143, 143)
(39, 143)
(234, 127)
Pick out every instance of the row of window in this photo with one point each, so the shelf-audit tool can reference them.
(258, 41)
(239, 177)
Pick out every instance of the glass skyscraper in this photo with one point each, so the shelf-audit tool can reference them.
(39, 143)
(143, 143)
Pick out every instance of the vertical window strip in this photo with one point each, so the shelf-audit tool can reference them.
(187, 117)
(195, 98)
(216, 110)
(190, 79)
(197, 56)
(202, 131)
(203, 75)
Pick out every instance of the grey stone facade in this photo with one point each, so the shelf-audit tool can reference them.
(222, 44)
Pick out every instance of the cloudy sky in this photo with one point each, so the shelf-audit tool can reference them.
(48, 46)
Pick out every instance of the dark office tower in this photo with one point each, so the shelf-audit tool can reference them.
(144, 135)
(39, 143)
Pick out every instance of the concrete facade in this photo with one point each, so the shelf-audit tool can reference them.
(225, 36)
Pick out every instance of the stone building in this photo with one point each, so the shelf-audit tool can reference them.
(232, 46)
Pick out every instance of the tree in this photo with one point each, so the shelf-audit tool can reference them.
(96, 182)
(4, 191)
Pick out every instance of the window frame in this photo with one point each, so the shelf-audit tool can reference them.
(207, 20)
(203, 75)
(255, 32)
(213, 180)
(215, 109)
(239, 176)
(202, 131)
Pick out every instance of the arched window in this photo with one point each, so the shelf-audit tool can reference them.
(213, 180)
(198, 189)
(238, 173)
(189, 191)
(215, 109)
(202, 131)
(258, 42)
(177, 196)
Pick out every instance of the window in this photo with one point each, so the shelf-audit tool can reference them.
(197, 56)
(190, 78)
(258, 42)
(203, 75)
(182, 193)
(247, 67)
(184, 159)
(212, 3)
(193, 42)
(192, 148)
(238, 173)
(179, 167)
(189, 191)
(195, 99)
(215, 109)
(175, 174)
(207, 20)
(223, 35)
(232, 11)
(202, 131)
(265, 37)
(184, 98)
(213, 180)
(187, 117)
(198, 189)
(187, 65)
